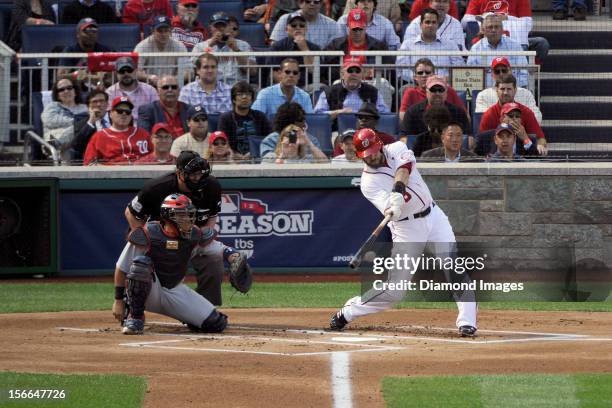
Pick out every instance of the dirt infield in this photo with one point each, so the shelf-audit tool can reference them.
(281, 357)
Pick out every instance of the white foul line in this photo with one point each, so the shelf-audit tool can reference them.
(341, 380)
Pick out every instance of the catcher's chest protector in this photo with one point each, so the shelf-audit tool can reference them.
(170, 255)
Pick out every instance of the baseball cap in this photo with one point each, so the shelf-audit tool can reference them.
(184, 158)
(368, 109)
(219, 17)
(347, 134)
(294, 16)
(198, 111)
(86, 22)
(161, 21)
(121, 99)
(161, 126)
(188, 1)
(351, 62)
(124, 62)
(502, 127)
(217, 135)
(357, 18)
(509, 107)
(436, 80)
(500, 61)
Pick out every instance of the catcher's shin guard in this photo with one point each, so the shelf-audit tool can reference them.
(139, 285)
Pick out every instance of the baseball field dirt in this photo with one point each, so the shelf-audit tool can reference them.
(283, 357)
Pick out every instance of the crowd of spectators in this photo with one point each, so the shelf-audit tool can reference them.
(140, 114)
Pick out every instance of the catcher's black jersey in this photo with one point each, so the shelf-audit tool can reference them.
(145, 206)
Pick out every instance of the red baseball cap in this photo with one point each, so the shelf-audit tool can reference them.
(121, 99)
(436, 80)
(217, 135)
(357, 18)
(500, 61)
(509, 107)
(352, 62)
(188, 2)
(161, 126)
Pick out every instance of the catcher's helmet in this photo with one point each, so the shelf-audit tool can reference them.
(178, 210)
(366, 143)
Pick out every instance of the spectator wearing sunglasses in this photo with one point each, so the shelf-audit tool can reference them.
(231, 69)
(296, 29)
(423, 69)
(270, 98)
(506, 91)
(348, 95)
(185, 25)
(167, 109)
(127, 85)
(160, 40)
(219, 151)
(162, 142)
(122, 143)
(437, 93)
(377, 26)
(500, 67)
(195, 139)
(321, 29)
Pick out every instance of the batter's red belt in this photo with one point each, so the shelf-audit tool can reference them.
(422, 214)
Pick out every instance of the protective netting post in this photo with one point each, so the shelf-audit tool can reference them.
(6, 55)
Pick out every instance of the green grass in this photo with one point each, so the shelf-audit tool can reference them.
(500, 391)
(44, 297)
(105, 391)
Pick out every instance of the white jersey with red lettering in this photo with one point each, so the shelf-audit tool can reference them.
(377, 183)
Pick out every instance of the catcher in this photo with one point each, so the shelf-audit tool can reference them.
(154, 261)
(193, 178)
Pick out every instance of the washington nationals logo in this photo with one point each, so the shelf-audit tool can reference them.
(356, 16)
(365, 143)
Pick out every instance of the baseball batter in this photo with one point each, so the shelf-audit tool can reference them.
(391, 181)
(192, 178)
(154, 261)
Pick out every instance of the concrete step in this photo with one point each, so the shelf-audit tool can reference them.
(575, 40)
(577, 131)
(576, 107)
(586, 60)
(575, 83)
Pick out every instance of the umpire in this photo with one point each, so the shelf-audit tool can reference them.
(192, 178)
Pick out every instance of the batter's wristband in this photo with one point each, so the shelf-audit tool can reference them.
(399, 187)
(119, 292)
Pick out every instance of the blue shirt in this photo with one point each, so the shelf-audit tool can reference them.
(505, 44)
(417, 44)
(270, 98)
(380, 28)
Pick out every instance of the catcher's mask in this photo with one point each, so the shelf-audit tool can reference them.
(192, 165)
(178, 210)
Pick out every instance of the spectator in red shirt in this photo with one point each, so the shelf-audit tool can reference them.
(419, 5)
(143, 12)
(185, 25)
(167, 109)
(122, 143)
(423, 69)
(506, 90)
(161, 138)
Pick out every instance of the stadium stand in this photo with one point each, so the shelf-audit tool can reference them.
(122, 37)
(319, 125)
(388, 123)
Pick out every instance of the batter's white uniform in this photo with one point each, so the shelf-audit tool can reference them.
(376, 186)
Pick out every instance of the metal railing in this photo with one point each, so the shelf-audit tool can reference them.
(27, 148)
(6, 56)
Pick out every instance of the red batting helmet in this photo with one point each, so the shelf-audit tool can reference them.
(178, 210)
(366, 143)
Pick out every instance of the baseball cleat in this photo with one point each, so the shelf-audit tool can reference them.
(467, 331)
(337, 321)
(133, 326)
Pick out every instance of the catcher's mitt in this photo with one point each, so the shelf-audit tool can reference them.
(240, 274)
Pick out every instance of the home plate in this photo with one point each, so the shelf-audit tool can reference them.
(354, 339)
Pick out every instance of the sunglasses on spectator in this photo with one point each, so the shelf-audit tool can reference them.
(315, 2)
(235, 28)
(423, 73)
(166, 87)
(296, 25)
(219, 143)
(90, 30)
(126, 112)
(514, 115)
(126, 71)
(354, 70)
(437, 89)
(501, 70)
(357, 29)
(191, 5)
(199, 120)
(66, 88)
(290, 72)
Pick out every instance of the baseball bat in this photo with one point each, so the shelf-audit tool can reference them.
(357, 258)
